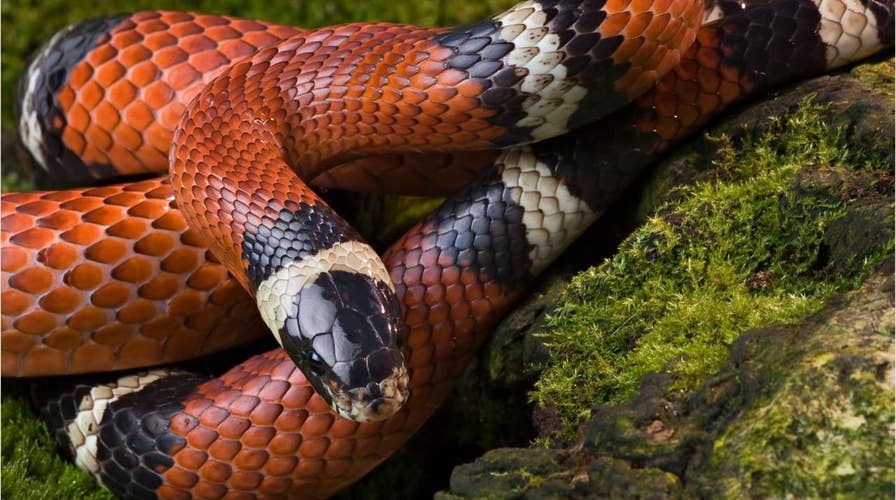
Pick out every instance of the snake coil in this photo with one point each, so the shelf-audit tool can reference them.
(115, 277)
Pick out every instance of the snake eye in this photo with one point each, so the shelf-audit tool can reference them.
(316, 362)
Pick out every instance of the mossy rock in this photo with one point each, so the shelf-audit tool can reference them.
(802, 410)
(816, 405)
(773, 201)
(758, 222)
(524, 473)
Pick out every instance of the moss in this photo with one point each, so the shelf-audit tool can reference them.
(684, 285)
(383, 218)
(818, 413)
(512, 472)
(797, 411)
(879, 75)
(805, 444)
(539, 473)
(29, 458)
(12, 181)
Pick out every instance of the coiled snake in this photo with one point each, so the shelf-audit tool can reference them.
(113, 276)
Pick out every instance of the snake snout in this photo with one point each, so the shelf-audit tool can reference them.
(367, 378)
(343, 328)
(383, 395)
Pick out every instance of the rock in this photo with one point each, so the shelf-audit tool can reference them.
(813, 405)
(803, 410)
(670, 438)
(859, 114)
(799, 410)
(859, 234)
(542, 473)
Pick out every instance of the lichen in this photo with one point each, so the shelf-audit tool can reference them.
(683, 286)
(805, 442)
(760, 170)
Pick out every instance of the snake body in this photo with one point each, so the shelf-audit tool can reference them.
(325, 96)
(334, 94)
(260, 429)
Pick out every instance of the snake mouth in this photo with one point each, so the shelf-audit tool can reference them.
(338, 317)
(376, 401)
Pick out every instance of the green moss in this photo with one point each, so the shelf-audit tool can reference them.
(818, 417)
(31, 466)
(643, 309)
(12, 181)
(736, 253)
(507, 473)
(807, 442)
(399, 214)
(879, 75)
(512, 473)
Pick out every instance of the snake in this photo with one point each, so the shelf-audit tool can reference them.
(332, 94)
(95, 277)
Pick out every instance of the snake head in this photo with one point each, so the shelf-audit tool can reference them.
(354, 358)
(339, 319)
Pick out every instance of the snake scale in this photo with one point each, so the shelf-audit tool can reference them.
(118, 276)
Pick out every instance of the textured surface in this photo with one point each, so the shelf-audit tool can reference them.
(450, 299)
(359, 89)
(114, 103)
(84, 407)
(350, 90)
(119, 282)
(759, 236)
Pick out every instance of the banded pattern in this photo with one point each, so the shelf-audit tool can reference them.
(260, 430)
(84, 119)
(329, 302)
(102, 97)
(84, 408)
(340, 92)
(40, 112)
